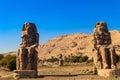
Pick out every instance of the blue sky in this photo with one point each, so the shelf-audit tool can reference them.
(53, 18)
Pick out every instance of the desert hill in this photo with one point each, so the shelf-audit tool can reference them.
(66, 45)
(72, 44)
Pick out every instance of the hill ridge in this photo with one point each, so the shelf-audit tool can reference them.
(73, 44)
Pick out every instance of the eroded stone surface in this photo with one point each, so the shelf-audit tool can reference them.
(60, 60)
(108, 72)
(104, 53)
(27, 53)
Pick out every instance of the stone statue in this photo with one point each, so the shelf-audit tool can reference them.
(27, 53)
(60, 59)
(104, 53)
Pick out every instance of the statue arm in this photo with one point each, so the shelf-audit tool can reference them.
(35, 45)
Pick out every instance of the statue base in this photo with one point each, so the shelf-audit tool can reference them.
(108, 72)
(25, 74)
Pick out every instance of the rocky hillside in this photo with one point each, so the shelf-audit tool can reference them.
(66, 45)
(73, 44)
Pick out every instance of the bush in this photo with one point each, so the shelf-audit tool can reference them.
(52, 59)
(1, 56)
(85, 58)
(8, 62)
(75, 59)
(67, 59)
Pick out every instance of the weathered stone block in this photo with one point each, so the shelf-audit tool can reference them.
(108, 72)
(25, 74)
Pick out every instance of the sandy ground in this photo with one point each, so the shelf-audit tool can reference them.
(80, 77)
(50, 72)
(64, 70)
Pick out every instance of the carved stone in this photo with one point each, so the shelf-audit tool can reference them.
(108, 72)
(27, 53)
(104, 53)
(60, 60)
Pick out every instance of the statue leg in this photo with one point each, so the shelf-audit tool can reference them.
(104, 56)
(29, 67)
(97, 60)
(113, 57)
(18, 60)
(23, 58)
(32, 59)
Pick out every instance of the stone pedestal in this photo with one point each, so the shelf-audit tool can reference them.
(108, 72)
(25, 74)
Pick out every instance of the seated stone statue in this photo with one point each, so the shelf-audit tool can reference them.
(27, 52)
(104, 53)
(60, 59)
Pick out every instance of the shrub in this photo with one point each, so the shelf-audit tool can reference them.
(52, 59)
(85, 58)
(67, 59)
(8, 62)
(1, 56)
(75, 59)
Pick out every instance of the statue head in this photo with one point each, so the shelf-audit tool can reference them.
(29, 34)
(101, 34)
(29, 28)
(100, 27)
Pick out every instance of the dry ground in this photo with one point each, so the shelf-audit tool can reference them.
(50, 72)
(81, 77)
(64, 70)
